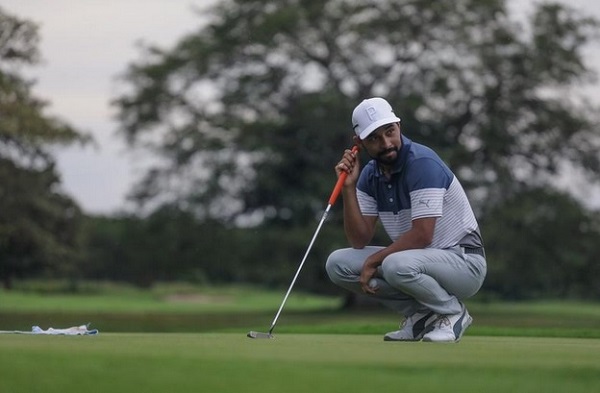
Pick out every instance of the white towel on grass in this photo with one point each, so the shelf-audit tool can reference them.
(82, 330)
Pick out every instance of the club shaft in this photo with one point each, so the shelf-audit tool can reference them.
(334, 195)
(323, 218)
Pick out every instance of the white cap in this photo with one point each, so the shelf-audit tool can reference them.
(371, 114)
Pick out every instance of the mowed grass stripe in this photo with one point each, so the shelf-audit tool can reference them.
(214, 362)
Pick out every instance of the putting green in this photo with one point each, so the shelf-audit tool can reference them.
(231, 362)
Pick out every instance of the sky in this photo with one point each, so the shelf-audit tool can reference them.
(86, 44)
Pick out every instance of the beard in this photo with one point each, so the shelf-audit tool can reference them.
(387, 157)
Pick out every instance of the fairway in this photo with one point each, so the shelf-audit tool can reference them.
(230, 362)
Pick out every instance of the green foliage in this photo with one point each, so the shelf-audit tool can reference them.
(252, 111)
(173, 245)
(542, 244)
(39, 225)
(39, 228)
(538, 245)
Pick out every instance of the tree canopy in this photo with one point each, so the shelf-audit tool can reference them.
(38, 222)
(249, 113)
(247, 116)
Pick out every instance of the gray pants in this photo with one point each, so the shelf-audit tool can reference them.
(413, 280)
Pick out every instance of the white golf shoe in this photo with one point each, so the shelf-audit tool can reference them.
(449, 328)
(412, 328)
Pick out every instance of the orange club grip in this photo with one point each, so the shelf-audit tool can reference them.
(340, 183)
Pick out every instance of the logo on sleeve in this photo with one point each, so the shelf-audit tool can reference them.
(424, 202)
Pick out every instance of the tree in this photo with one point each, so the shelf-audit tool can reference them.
(558, 258)
(38, 223)
(250, 113)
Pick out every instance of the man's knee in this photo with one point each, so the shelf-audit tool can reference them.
(332, 266)
(400, 268)
(341, 265)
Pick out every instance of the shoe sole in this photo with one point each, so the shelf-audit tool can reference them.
(386, 338)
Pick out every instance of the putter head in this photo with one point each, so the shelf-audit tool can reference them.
(259, 335)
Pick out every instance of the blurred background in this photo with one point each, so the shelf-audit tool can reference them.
(144, 142)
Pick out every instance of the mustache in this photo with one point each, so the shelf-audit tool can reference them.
(386, 151)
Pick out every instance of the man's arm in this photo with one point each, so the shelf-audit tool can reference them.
(359, 229)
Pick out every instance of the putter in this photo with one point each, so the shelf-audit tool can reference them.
(334, 195)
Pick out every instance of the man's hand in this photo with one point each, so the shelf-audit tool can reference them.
(368, 272)
(349, 164)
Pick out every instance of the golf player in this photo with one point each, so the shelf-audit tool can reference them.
(435, 258)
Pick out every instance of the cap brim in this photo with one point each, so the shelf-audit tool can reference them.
(373, 126)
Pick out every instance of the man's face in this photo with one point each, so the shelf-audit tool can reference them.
(384, 143)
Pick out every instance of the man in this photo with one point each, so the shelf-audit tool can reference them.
(436, 257)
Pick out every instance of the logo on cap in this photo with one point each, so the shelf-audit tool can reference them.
(371, 112)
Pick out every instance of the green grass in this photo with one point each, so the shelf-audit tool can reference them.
(180, 338)
(230, 362)
(165, 308)
(161, 299)
(185, 308)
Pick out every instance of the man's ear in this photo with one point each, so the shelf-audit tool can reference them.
(357, 141)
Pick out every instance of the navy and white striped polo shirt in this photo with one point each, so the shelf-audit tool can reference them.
(421, 185)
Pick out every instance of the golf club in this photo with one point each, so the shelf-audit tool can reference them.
(334, 195)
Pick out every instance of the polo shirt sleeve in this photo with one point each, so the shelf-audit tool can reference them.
(365, 192)
(366, 203)
(427, 182)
